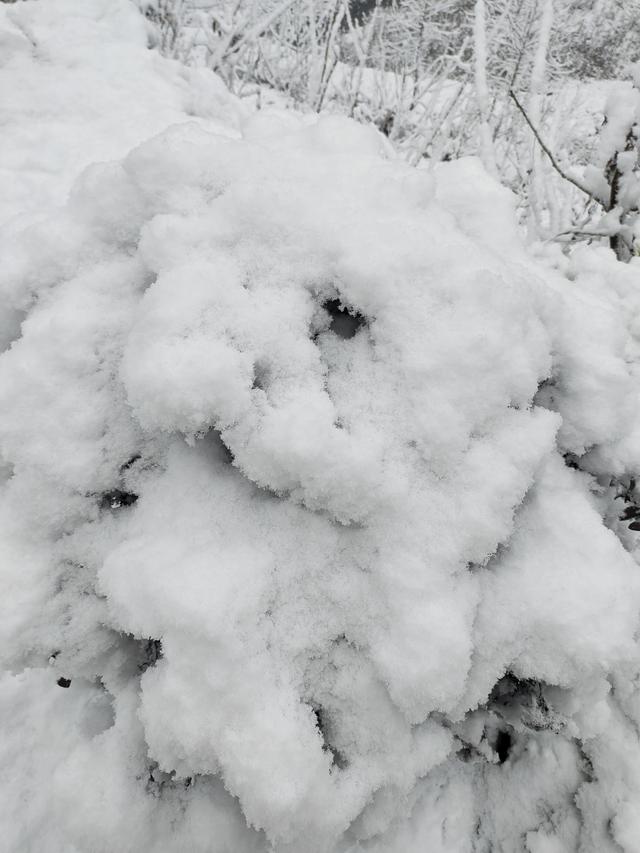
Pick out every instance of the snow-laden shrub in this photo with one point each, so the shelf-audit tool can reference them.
(295, 552)
(614, 176)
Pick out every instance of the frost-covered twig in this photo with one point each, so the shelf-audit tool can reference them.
(482, 91)
(582, 187)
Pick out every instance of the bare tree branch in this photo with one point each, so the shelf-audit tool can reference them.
(582, 187)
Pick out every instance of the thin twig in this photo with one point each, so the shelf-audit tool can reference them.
(577, 232)
(547, 151)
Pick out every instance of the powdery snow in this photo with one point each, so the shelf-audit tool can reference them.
(284, 434)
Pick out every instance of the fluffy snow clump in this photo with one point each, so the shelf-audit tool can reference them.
(292, 506)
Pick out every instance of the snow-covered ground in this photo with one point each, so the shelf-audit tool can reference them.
(295, 555)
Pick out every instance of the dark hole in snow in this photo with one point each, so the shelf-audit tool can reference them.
(260, 376)
(630, 512)
(586, 764)
(571, 461)
(521, 701)
(466, 754)
(323, 725)
(546, 393)
(504, 742)
(214, 440)
(130, 462)
(386, 122)
(152, 653)
(116, 499)
(344, 323)
(225, 454)
(63, 682)
(625, 489)
(158, 781)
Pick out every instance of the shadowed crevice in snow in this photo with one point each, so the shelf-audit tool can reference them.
(503, 744)
(217, 446)
(324, 726)
(522, 702)
(261, 376)
(545, 396)
(516, 710)
(345, 321)
(10, 327)
(130, 462)
(627, 506)
(571, 460)
(151, 653)
(158, 783)
(117, 498)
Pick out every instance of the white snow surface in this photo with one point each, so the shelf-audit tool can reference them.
(305, 586)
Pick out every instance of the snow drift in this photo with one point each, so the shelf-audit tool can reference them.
(293, 509)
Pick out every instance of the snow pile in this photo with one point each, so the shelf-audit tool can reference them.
(286, 512)
(78, 87)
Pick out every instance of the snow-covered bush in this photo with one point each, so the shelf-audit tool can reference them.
(614, 176)
(433, 75)
(305, 466)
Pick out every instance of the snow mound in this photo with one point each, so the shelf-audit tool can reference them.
(79, 87)
(286, 512)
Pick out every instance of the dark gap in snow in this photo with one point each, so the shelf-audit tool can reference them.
(158, 780)
(117, 498)
(522, 702)
(491, 560)
(260, 376)
(345, 322)
(504, 742)
(151, 653)
(216, 444)
(324, 726)
(545, 395)
(361, 11)
(11, 329)
(465, 754)
(150, 278)
(586, 764)
(630, 512)
(63, 682)
(385, 122)
(468, 753)
(130, 462)
(625, 490)
(571, 460)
